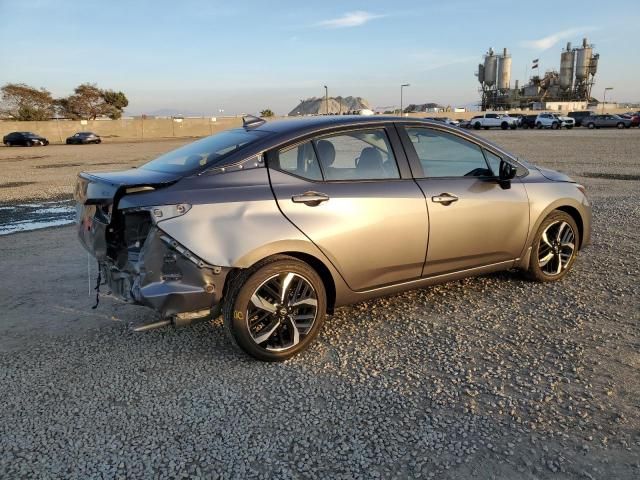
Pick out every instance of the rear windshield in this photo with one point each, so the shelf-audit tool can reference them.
(210, 151)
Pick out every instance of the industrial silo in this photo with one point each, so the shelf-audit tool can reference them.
(490, 68)
(567, 59)
(593, 66)
(481, 73)
(583, 60)
(504, 71)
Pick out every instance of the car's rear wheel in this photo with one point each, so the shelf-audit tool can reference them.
(8, 144)
(28, 143)
(275, 309)
(554, 126)
(591, 125)
(555, 248)
(476, 126)
(504, 125)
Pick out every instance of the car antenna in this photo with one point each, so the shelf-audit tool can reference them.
(250, 121)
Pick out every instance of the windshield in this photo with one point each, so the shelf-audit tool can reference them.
(209, 151)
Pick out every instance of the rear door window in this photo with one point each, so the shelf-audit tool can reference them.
(357, 155)
(299, 160)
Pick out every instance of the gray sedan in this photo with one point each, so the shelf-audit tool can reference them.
(276, 224)
(606, 121)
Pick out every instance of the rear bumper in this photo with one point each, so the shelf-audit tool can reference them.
(166, 277)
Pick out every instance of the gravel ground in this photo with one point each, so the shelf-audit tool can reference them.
(492, 377)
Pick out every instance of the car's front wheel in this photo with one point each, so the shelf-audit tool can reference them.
(620, 125)
(555, 248)
(591, 125)
(275, 309)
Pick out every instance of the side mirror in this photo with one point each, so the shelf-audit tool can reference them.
(507, 173)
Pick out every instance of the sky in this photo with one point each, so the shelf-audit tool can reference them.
(224, 58)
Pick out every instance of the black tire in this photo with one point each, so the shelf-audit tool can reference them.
(486, 128)
(620, 125)
(28, 143)
(539, 125)
(513, 127)
(238, 303)
(591, 125)
(554, 126)
(569, 127)
(504, 125)
(476, 126)
(8, 144)
(98, 141)
(46, 142)
(539, 248)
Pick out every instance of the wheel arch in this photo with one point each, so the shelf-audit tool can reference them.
(323, 271)
(575, 214)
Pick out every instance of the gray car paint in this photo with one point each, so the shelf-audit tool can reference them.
(235, 221)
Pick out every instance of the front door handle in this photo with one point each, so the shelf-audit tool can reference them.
(312, 199)
(445, 199)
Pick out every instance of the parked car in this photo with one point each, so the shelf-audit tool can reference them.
(579, 115)
(83, 138)
(606, 121)
(277, 223)
(494, 120)
(553, 121)
(633, 116)
(25, 139)
(528, 121)
(447, 120)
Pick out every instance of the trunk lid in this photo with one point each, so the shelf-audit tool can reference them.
(97, 196)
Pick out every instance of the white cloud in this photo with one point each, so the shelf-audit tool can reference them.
(549, 41)
(350, 19)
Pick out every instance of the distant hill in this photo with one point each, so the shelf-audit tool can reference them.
(317, 105)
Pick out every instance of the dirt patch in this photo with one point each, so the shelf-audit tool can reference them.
(58, 165)
(15, 184)
(612, 176)
(29, 157)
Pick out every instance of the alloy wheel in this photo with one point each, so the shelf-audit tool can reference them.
(282, 310)
(557, 248)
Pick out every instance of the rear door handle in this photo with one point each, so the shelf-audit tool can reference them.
(311, 199)
(445, 199)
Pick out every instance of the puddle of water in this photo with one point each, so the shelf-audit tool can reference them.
(33, 216)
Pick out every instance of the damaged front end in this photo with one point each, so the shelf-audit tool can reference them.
(139, 262)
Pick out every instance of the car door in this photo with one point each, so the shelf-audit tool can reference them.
(491, 120)
(473, 219)
(351, 193)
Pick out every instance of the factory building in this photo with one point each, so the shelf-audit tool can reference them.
(567, 89)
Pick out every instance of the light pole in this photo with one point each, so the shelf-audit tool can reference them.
(401, 87)
(604, 97)
(326, 98)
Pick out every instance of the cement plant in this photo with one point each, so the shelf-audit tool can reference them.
(566, 89)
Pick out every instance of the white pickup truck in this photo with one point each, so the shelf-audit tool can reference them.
(554, 121)
(493, 120)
